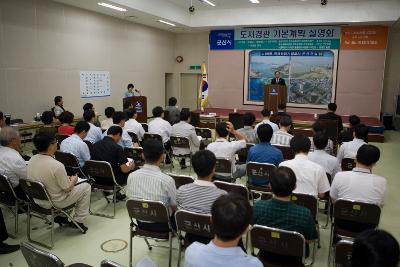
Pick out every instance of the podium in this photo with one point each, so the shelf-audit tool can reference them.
(274, 94)
(139, 103)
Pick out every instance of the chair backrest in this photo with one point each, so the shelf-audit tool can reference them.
(357, 211)
(244, 151)
(179, 142)
(331, 128)
(148, 210)
(89, 144)
(277, 241)
(36, 257)
(134, 137)
(348, 164)
(266, 195)
(152, 136)
(68, 159)
(181, 179)
(236, 119)
(287, 152)
(233, 188)
(308, 201)
(224, 166)
(100, 171)
(108, 263)
(135, 153)
(145, 127)
(204, 132)
(343, 253)
(256, 170)
(7, 193)
(34, 190)
(194, 223)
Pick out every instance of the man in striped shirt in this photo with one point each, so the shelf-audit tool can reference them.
(150, 183)
(283, 137)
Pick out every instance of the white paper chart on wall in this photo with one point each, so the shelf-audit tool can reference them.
(95, 84)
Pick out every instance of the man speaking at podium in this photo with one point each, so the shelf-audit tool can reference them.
(278, 79)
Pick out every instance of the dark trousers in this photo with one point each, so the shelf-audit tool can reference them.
(3, 229)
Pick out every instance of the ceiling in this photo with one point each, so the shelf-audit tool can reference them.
(238, 13)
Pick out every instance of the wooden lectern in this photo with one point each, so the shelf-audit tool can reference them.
(139, 103)
(274, 94)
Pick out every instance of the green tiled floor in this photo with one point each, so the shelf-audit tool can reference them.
(71, 246)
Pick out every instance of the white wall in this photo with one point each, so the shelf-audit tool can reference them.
(44, 45)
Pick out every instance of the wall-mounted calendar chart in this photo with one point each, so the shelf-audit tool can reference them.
(95, 83)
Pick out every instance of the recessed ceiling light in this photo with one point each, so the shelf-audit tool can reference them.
(166, 22)
(112, 7)
(208, 2)
(254, 1)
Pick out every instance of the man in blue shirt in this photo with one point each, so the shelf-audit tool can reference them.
(231, 216)
(264, 152)
(94, 135)
(75, 145)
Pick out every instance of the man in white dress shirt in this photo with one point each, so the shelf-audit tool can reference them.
(161, 127)
(119, 120)
(132, 125)
(283, 137)
(75, 145)
(319, 156)
(109, 112)
(184, 129)
(360, 184)
(349, 149)
(311, 177)
(222, 148)
(94, 135)
(266, 113)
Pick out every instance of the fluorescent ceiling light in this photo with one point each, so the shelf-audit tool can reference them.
(166, 22)
(112, 7)
(208, 2)
(255, 1)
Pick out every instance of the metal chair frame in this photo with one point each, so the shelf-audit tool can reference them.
(172, 139)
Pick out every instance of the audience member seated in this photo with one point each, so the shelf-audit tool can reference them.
(47, 118)
(319, 128)
(264, 152)
(109, 112)
(184, 129)
(200, 195)
(75, 145)
(311, 177)
(349, 149)
(373, 248)
(248, 129)
(173, 111)
(66, 118)
(331, 115)
(279, 212)
(161, 127)
(59, 106)
(94, 135)
(2, 120)
(222, 148)
(347, 134)
(266, 113)
(282, 137)
(150, 183)
(119, 120)
(89, 106)
(360, 184)
(276, 117)
(109, 150)
(4, 247)
(61, 188)
(12, 165)
(132, 125)
(231, 215)
(319, 155)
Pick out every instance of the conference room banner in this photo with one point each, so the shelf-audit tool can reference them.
(281, 38)
(310, 75)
